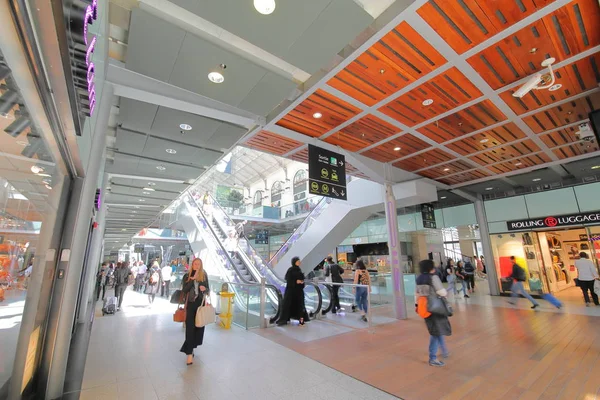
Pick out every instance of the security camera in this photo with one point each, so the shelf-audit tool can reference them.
(585, 132)
(531, 84)
(546, 80)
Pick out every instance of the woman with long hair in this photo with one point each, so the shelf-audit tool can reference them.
(153, 281)
(293, 299)
(195, 287)
(362, 277)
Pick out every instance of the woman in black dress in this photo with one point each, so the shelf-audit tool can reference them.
(293, 298)
(195, 287)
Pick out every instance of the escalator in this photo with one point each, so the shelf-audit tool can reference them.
(245, 261)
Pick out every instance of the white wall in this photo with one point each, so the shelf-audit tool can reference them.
(287, 196)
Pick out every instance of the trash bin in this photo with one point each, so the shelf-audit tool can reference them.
(226, 309)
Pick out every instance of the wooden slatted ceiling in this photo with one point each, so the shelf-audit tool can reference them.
(522, 162)
(505, 153)
(446, 169)
(569, 30)
(427, 159)
(448, 90)
(575, 78)
(487, 140)
(362, 133)
(555, 117)
(561, 137)
(399, 58)
(334, 113)
(465, 177)
(407, 143)
(466, 23)
(301, 156)
(463, 122)
(273, 143)
(575, 149)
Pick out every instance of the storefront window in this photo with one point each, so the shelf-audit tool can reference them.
(30, 188)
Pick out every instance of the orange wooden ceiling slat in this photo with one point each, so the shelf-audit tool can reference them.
(505, 153)
(575, 149)
(524, 162)
(273, 143)
(347, 141)
(429, 158)
(465, 177)
(564, 114)
(495, 137)
(385, 152)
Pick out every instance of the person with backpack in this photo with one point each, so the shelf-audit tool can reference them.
(587, 274)
(438, 325)
(518, 277)
(361, 294)
(335, 272)
(470, 276)
(153, 281)
(122, 274)
(461, 277)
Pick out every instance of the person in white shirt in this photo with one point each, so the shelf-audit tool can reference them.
(587, 274)
(166, 272)
(139, 279)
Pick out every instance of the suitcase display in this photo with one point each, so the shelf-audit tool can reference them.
(109, 306)
(552, 300)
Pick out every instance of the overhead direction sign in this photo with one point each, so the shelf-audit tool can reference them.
(326, 173)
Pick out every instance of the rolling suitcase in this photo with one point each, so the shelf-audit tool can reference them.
(109, 306)
(552, 300)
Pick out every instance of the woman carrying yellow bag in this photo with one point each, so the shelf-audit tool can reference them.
(195, 286)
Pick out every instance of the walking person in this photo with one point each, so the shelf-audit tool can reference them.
(470, 276)
(438, 325)
(335, 272)
(461, 278)
(101, 282)
(481, 267)
(518, 277)
(195, 287)
(153, 281)
(451, 278)
(293, 299)
(166, 274)
(362, 277)
(586, 275)
(141, 276)
(122, 274)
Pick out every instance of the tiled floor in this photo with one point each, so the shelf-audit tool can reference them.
(135, 355)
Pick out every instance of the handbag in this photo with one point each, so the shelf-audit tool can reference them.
(438, 305)
(177, 297)
(205, 314)
(179, 315)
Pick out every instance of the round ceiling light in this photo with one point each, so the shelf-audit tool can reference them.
(147, 189)
(160, 168)
(443, 197)
(48, 187)
(171, 151)
(317, 115)
(446, 169)
(36, 169)
(518, 164)
(216, 77)
(397, 148)
(536, 179)
(185, 127)
(141, 200)
(484, 140)
(427, 102)
(555, 87)
(151, 184)
(490, 188)
(265, 7)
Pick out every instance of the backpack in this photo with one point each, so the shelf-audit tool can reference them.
(520, 275)
(154, 278)
(469, 269)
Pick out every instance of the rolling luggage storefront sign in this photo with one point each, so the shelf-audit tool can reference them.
(554, 221)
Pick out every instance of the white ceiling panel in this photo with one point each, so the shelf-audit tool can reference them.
(267, 94)
(153, 45)
(172, 170)
(156, 148)
(167, 121)
(131, 199)
(127, 190)
(226, 136)
(130, 142)
(158, 185)
(137, 115)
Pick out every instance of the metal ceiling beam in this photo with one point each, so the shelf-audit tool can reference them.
(145, 178)
(133, 85)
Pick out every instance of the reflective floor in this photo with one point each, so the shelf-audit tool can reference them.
(135, 355)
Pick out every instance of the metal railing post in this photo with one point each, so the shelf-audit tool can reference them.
(369, 313)
(247, 305)
(263, 301)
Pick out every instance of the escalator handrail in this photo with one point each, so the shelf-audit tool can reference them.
(319, 297)
(239, 274)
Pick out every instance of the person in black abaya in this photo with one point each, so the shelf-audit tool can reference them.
(293, 298)
(195, 287)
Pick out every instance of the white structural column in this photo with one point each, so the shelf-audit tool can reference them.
(490, 265)
(391, 218)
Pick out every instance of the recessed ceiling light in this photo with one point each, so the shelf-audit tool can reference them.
(160, 168)
(427, 102)
(36, 169)
(518, 164)
(216, 77)
(446, 169)
(141, 200)
(48, 187)
(148, 189)
(537, 179)
(22, 143)
(123, 229)
(185, 127)
(146, 192)
(484, 140)
(460, 124)
(533, 50)
(171, 151)
(44, 175)
(265, 7)
(555, 87)
(397, 148)
(151, 184)
(382, 71)
(135, 212)
(490, 188)
(443, 197)
(317, 115)
(596, 167)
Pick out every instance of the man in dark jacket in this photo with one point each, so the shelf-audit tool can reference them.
(335, 272)
(121, 278)
(470, 276)
(518, 276)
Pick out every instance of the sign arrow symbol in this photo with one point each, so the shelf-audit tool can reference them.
(343, 193)
(341, 163)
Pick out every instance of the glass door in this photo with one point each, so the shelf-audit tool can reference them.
(593, 243)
